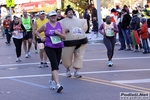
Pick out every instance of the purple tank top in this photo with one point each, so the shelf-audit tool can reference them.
(49, 32)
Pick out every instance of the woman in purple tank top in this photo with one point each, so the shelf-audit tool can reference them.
(54, 36)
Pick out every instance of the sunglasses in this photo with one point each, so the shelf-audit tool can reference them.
(53, 16)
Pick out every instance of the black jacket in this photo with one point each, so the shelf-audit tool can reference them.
(135, 23)
(95, 26)
(86, 16)
(126, 21)
(94, 13)
(148, 23)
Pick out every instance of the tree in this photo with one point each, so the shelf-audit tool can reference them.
(78, 5)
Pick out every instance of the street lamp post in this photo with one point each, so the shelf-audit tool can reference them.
(98, 6)
(99, 16)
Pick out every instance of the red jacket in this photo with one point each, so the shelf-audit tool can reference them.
(7, 23)
(144, 31)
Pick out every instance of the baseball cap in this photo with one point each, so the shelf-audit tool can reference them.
(42, 12)
(37, 14)
(143, 20)
(52, 13)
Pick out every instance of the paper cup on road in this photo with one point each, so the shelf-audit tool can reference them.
(41, 45)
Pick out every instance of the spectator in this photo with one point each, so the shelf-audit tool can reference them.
(144, 36)
(95, 27)
(148, 24)
(126, 8)
(121, 38)
(135, 26)
(6, 25)
(87, 17)
(94, 12)
(125, 22)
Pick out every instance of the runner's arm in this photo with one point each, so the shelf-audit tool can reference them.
(23, 28)
(41, 29)
(115, 28)
(101, 28)
(63, 35)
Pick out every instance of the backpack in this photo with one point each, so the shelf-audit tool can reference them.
(148, 12)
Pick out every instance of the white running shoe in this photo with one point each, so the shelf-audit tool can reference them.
(17, 60)
(29, 54)
(52, 84)
(110, 64)
(77, 75)
(26, 56)
(59, 88)
(68, 74)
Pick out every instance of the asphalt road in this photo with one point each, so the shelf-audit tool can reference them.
(25, 81)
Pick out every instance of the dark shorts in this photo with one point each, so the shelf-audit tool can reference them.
(28, 35)
(39, 40)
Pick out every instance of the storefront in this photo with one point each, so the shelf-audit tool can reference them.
(37, 6)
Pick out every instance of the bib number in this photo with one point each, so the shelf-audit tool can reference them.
(55, 39)
(41, 45)
(77, 31)
(17, 33)
(109, 33)
(26, 26)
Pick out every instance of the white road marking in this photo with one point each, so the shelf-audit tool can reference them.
(133, 81)
(94, 72)
(123, 58)
(85, 60)
(29, 83)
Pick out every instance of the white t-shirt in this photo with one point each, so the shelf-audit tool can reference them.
(17, 35)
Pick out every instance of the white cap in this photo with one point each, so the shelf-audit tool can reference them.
(52, 13)
(36, 14)
(42, 12)
(118, 10)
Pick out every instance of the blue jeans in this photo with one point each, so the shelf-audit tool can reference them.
(8, 35)
(122, 40)
(145, 45)
(126, 35)
(149, 36)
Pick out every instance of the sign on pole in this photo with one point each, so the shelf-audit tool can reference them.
(10, 3)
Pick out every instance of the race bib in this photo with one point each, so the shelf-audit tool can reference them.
(77, 31)
(109, 32)
(26, 26)
(55, 39)
(41, 45)
(17, 33)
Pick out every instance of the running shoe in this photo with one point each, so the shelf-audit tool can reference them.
(29, 54)
(41, 65)
(77, 75)
(52, 84)
(68, 74)
(59, 88)
(17, 60)
(26, 56)
(110, 64)
(45, 64)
